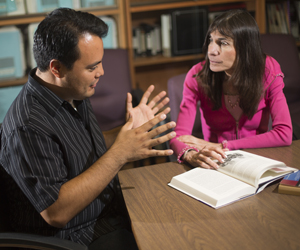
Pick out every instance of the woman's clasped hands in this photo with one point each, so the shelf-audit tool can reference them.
(208, 156)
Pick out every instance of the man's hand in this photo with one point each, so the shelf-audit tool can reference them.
(198, 143)
(145, 111)
(136, 144)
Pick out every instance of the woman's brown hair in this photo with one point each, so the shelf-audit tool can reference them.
(249, 65)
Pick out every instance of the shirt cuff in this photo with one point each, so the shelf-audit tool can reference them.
(183, 151)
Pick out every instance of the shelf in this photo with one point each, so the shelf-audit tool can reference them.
(38, 17)
(158, 69)
(154, 60)
(175, 5)
(13, 82)
(117, 11)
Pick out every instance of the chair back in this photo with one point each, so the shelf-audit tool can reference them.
(109, 100)
(175, 88)
(283, 48)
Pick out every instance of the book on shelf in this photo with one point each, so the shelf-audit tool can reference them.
(290, 184)
(293, 19)
(277, 18)
(166, 27)
(240, 176)
(216, 10)
(283, 17)
(146, 40)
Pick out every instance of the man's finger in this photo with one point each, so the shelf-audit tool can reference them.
(129, 102)
(150, 124)
(157, 99)
(161, 129)
(147, 94)
(159, 106)
(154, 152)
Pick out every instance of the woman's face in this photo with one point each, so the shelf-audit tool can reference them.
(221, 53)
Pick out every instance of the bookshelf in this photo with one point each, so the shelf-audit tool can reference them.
(116, 11)
(158, 69)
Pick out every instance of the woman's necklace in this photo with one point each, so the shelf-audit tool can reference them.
(229, 90)
(230, 102)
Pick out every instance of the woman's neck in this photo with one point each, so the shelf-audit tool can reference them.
(228, 88)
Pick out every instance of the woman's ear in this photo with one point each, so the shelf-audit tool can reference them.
(56, 68)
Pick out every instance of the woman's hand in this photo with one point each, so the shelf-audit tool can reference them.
(206, 158)
(209, 153)
(145, 111)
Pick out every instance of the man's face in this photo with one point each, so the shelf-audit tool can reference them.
(82, 79)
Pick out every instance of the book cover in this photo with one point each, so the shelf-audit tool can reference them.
(290, 184)
(292, 179)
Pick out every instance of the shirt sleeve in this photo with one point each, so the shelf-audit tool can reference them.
(35, 162)
(187, 113)
(281, 132)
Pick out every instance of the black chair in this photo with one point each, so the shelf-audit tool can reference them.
(13, 240)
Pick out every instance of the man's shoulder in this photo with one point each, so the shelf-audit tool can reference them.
(24, 110)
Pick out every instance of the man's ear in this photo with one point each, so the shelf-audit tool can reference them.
(56, 68)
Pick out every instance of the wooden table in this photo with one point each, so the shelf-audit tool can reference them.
(164, 218)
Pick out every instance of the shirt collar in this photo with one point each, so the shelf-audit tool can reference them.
(50, 101)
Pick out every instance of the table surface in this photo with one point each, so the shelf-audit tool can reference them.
(164, 218)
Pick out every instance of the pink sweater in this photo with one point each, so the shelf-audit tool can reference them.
(219, 125)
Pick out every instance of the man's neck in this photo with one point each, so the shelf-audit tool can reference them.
(49, 81)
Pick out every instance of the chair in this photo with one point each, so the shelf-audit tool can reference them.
(283, 48)
(12, 240)
(175, 88)
(109, 100)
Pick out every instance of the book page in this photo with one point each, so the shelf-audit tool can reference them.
(247, 167)
(211, 187)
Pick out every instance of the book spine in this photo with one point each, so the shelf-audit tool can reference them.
(166, 34)
(283, 189)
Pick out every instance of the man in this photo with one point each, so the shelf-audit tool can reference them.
(52, 147)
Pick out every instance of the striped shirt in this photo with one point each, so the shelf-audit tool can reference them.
(45, 143)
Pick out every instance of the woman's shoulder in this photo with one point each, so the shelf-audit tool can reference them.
(196, 69)
(272, 70)
(272, 66)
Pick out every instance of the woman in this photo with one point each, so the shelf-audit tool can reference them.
(239, 88)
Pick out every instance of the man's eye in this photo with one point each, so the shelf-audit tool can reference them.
(92, 69)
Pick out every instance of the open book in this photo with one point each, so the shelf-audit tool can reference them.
(241, 175)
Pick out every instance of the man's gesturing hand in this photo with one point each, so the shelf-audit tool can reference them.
(136, 144)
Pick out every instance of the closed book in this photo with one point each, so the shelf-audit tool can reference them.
(290, 184)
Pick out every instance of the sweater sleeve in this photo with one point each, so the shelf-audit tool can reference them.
(281, 132)
(187, 113)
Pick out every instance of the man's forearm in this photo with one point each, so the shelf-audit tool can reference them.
(79, 192)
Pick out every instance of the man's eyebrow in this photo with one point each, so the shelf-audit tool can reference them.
(94, 64)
